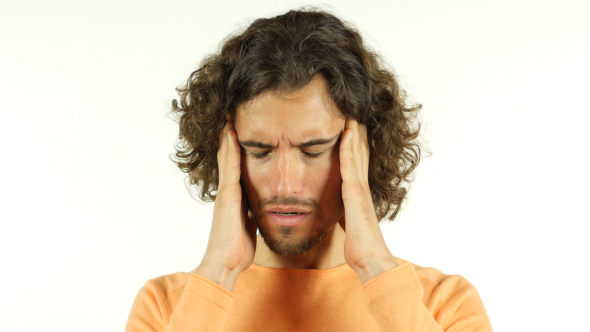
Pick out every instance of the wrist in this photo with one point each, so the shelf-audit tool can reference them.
(375, 268)
(218, 274)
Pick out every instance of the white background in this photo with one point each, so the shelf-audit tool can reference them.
(92, 207)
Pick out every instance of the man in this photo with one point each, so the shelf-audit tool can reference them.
(294, 129)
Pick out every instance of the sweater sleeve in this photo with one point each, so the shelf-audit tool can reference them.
(203, 306)
(394, 299)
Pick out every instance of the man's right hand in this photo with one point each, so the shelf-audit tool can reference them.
(232, 241)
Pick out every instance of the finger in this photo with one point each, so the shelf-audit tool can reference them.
(233, 158)
(357, 150)
(228, 125)
(365, 152)
(346, 159)
(224, 148)
(221, 153)
(229, 121)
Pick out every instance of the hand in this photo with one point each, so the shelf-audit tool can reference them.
(365, 249)
(232, 241)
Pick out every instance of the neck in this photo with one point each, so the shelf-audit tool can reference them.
(327, 254)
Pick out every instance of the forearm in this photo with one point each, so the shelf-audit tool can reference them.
(375, 268)
(218, 274)
(203, 306)
(395, 300)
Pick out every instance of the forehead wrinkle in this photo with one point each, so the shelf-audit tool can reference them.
(304, 144)
(252, 115)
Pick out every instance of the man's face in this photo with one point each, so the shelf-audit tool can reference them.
(290, 165)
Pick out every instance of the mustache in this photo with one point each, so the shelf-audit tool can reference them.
(275, 200)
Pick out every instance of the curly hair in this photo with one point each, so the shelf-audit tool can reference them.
(283, 54)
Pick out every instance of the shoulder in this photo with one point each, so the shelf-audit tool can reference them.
(451, 295)
(432, 278)
(155, 301)
(167, 287)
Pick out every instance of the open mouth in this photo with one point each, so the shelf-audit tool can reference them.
(288, 219)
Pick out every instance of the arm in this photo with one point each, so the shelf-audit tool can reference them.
(393, 293)
(203, 306)
(206, 299)
(395, 301)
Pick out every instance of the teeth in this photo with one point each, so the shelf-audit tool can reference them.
(287, 214)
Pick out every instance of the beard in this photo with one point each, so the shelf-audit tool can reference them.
(287, 244)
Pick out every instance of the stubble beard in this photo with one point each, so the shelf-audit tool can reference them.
(287, 244)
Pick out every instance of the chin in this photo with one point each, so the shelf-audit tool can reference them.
(291, 246)
(284, 242)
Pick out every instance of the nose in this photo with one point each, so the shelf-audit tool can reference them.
(286, 175)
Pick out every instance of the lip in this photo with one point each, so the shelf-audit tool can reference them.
(287, 209)
(287, 221)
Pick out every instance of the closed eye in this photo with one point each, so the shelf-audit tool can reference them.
(313, 155)
(258, 155)
(264, 154)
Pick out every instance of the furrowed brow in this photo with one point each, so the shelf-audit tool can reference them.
(254, 144)
(317, 141)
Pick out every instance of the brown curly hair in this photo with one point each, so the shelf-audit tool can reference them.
(283, 54)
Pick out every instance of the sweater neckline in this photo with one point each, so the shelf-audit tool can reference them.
(300, 271)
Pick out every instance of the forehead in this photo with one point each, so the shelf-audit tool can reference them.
(294, 116)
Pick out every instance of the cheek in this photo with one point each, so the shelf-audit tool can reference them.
(249, 176)
(253, 172)
(325, 177)
(329, 192)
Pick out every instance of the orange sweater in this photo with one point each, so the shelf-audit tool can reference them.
(406, 298)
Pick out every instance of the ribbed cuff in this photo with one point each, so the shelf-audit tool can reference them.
(388, 281)
(210, 291)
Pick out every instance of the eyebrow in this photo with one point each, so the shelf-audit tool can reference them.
(317, 141)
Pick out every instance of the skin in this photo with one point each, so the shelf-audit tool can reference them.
(292, 175)
(262, 165)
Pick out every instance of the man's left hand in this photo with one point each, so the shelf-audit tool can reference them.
(365, 249)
